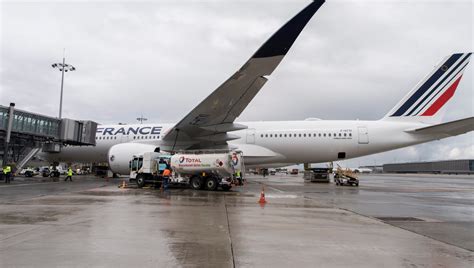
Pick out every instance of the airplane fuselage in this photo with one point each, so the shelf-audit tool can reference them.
(270, 142)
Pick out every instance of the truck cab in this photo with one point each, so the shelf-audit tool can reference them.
(148, 168)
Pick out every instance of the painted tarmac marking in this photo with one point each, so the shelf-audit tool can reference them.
(275, 189)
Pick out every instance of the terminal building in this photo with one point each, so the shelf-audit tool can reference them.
(464, 166)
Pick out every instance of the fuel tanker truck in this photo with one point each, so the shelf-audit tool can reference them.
(206, 170)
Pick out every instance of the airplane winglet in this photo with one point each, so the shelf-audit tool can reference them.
(281, 41)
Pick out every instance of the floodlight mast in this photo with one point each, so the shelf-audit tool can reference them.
(63, 67)
(141, 119)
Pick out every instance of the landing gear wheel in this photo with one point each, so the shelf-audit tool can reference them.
(211, 184)
(140, 181)
(196, 183)
(226, 187)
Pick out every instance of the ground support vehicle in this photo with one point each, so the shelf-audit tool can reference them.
(207, 170)
(29, 172)
(345, 177)
(316, 175)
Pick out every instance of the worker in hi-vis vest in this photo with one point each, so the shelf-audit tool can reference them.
(7, 172)
(238, 176)
(69, 174)
(166, 177)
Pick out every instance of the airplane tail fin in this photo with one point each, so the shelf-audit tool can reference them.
(424, 102)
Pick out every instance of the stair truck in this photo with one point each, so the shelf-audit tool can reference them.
(208, 170)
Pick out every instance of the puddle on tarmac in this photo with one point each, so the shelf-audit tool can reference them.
(33, 216)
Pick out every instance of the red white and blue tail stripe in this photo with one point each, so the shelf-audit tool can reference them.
(429, 96)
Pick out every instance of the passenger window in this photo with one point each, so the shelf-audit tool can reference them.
(271, 135)
(319, 134)
(324, 134)
(345, 134)
(299, 135)
(266, 135)
(340, 135)
(350, 134)
(304, 135)
(329, 135)
(261, 136)
(285, 135)
(281, 135)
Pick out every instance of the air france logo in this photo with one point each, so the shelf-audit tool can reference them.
(181, 159)
(112, 131)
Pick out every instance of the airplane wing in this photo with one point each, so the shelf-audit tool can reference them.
(207, 124)
(452, 128)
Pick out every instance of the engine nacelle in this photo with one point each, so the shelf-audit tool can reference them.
(119, 155)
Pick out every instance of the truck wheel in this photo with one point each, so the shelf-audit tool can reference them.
(140, 181)
(211, 184)
(226, 187)
(196, 183)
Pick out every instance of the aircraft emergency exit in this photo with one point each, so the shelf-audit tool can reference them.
(211, 124)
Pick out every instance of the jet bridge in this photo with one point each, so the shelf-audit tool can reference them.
(23, 134)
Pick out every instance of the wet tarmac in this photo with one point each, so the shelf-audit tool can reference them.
(389, 221)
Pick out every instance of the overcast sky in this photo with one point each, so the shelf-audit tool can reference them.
(354, 60)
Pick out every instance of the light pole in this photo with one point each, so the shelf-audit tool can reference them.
(141, 119)
(63, 67)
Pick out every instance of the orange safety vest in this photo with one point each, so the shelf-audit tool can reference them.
(166, 172)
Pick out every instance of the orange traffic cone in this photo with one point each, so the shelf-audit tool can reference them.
(124, 185)
(262, 197)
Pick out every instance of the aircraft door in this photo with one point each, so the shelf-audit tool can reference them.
(363, 135)
(250, 136)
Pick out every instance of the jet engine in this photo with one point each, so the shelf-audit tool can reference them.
(119, 155)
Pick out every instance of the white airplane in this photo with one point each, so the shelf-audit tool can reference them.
(211, 125)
